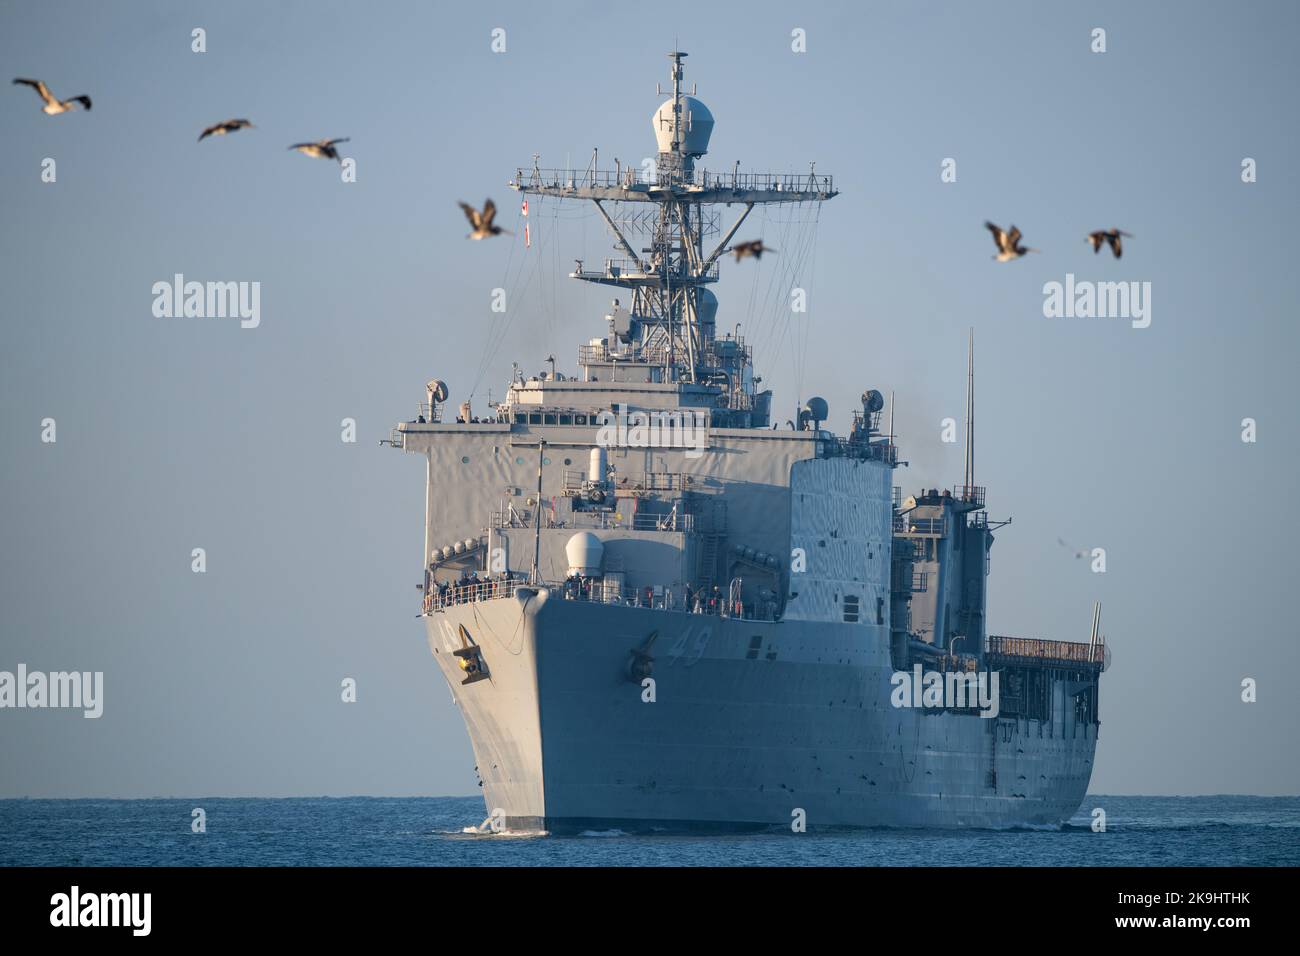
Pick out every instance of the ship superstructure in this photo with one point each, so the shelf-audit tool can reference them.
(655, 609)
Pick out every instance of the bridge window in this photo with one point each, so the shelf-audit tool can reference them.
(535, 418)
(521, 418)
(549, 419)
(580, 419)
(566, 419)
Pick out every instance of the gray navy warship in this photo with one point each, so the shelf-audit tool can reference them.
(658, 609)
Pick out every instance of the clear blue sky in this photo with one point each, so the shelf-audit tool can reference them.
(177, 434)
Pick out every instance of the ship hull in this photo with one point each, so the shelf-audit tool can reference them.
(748, 724)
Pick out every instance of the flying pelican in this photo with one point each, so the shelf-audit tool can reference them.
(481, 222)
(221, 129)
(753, 248)
(1008, 243)
(1111, 236)
(321, 149)
(52, 105)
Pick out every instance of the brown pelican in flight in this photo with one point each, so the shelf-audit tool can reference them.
(221, 129)
(54, 106)
(481, 222)
(1008, 243)
(1108, 235)
(321, 149)
(754, 248)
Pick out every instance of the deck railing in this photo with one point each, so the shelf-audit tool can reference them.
(597, 354)
(1039, 649)
(641, 521)
(629, 177)
(596, 592)
(930, 527)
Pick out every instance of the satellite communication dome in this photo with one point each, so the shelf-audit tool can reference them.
(696, 120)
(584, 551)
(706, 305)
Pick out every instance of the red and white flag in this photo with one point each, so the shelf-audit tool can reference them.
(525, 208)
(528, 237)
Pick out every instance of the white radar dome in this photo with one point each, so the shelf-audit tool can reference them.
(697, 126)
(584, 552)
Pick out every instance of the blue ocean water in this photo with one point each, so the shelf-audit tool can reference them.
(364, 831)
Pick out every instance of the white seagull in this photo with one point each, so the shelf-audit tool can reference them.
(53, 105)
(321, 149)
(221, 129)
(1008, 243)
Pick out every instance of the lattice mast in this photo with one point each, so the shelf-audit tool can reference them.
(664, 280)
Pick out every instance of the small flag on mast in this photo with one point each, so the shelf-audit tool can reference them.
(528, 238)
